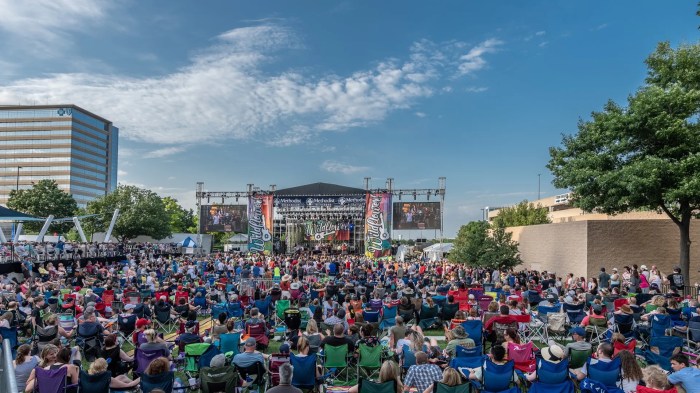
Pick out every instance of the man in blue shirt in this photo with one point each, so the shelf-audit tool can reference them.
(686, 377)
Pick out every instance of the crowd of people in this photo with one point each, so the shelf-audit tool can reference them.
(132, 323)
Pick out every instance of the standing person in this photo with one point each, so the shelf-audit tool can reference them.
(24, 364)
(603, 279)
(684, 376)
(675, 280)
(614, 279)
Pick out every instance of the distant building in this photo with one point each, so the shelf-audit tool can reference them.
(65, 143)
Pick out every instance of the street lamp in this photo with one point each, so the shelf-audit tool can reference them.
(17, 183)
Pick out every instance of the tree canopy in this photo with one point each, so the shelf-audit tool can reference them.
(42, 200)
(522, 214)
(181, 219)
(645, 155)
(477, 244)
(141, 212)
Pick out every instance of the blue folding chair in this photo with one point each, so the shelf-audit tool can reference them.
(217, 309)
(475, 330)
(263, 305)
(234, 310)
(304, 376)
(574, 312)
(496, 378)
(624, 324)
(11, 335)
(388, 317)
(607, 374)
(462, 352)
(408, 358)
(552, 378)
(230, 343)
(370, 316)
(660, 350)
(659, 324)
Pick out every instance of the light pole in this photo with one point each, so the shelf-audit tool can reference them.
(17, 183)
(539, 175)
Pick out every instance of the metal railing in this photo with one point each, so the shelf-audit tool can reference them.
(8, 383)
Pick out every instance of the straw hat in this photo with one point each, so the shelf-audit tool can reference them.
(553, 354)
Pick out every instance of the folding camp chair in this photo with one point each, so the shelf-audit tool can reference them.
(126, 325)
(95, 383)
(597, 329)
(218, 379)
(336, 358)
(198, 355)
(552, 377)
(263, 305)
(371, 317)
(132, 297)
(89, 340)
(577, 357)
(523, 355)
(439, 387)
(475, 330)
(367, 386)
(692, 337)
(67, 322)
(388, 317)
(163, 381)
(51, 381)
(624, 324)
(574, 313)
(408, 358)
(537, 329)
(496, 378)
(276, 360)
(10, 334)
(608, 374)
(630, 345)
(660, 350)
(163, 318)
(464, 352)
(617, 303)
(230, 344)
(257, 331)
(143, 358)
(427, 316)
(369, 361)
(304, 376)
(257, 369)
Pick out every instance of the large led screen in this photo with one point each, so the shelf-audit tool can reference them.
(416, 215)
(224, 218)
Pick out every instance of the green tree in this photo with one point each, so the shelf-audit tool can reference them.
(42, 200)
(522, 214)
(477, 244)
(141, 212)
(181, 220)
(645, 155)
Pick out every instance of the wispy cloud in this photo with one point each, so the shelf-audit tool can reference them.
(599, 27)
(474, 60)
(543, 44)
(226, 91)
(421, 114)
(474, 89)
(540, 33)
(164, 152)
(339, 167)
(44, 27)
(122, 173)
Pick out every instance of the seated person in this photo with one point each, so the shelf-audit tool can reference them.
(255, 319)
(604, 354)
(152, 343)
(188, 336)
(249, 356)
(683, 375)
(338, 338)
(457, 337)
(553, 354)
(498, 356)
(656, 381)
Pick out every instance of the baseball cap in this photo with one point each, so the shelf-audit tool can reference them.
(284, 348)
(141, 322)
(578, 330)
(250, 342)
(190, 324)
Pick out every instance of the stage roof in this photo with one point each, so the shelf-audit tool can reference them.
(320, 189)
(13, 215)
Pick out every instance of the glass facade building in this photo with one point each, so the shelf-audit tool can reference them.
(65, 143)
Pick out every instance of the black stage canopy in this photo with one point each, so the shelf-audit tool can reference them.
(320, 189)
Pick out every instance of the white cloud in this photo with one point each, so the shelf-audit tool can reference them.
(543, 44)
(474, 89)
(225, 92)
(43, 27)
(540, 33)
(339, 167)
(421, 114)
(474, 60)
(164, 152)
(328, 149)
(121, 173)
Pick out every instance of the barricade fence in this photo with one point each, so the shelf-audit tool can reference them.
(8, 382)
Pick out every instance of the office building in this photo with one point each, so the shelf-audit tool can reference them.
(65, 143)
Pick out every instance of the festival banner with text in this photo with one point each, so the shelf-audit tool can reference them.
(260, 224)
(326, 230)
(377, 225)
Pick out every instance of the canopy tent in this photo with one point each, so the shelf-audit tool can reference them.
(188, 242)
(13, 215)
(401, 252)
(239, 238)
(437, 251)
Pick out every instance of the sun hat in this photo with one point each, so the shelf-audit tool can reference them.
(626, 309)
(552, 354)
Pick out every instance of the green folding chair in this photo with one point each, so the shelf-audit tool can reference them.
(439, 387)
(367, 386)
(218, 379)
(281, 306)
(336, 358)
(577, 357)
(192, 354)
(370, 361)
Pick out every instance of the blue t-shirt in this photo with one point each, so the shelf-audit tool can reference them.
(689, 377)
(247, 359)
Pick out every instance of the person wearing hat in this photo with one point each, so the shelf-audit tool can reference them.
(579, 343)
(552, 354)
(188, 336)
(550, 301)
(625, 309)
(596, 314)
(249, 356)
(457, 337)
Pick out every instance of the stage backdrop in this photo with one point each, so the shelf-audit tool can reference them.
(224, 218)
(260, 223)
(416, 215)
(317, 230)
(377, 225)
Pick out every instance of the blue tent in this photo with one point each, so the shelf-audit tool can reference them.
(188, 242)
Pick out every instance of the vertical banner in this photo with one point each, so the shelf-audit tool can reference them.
(260, 224)
(377, 225)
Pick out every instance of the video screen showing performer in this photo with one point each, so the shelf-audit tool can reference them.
(224, 218)
(416, 215)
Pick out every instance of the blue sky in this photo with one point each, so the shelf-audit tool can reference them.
(295, 92)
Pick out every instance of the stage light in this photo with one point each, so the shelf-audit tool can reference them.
(428, 194)
(222, 200)
(400, 193)
(415, 195)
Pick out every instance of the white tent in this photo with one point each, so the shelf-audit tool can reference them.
(437, 250)
(239, 238)
(401, 252)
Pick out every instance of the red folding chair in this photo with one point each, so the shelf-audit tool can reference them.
(182, 295)
(160, 294)
(523, 355)
(108, 297)
(620, 302)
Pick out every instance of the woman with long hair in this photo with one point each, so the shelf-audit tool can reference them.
(51, 359)
(388, 372)
(24, 364)
(99, 367)
(112, 350)
(313, 335)
(631, 372)
(450, 377)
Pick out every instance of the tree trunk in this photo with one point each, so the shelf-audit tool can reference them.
(684, 259)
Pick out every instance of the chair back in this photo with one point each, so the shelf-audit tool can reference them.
(617, 303)
(408, 357)
(97, 383)
(523, 355)
(304, 375)
(484, 301)
(629, 345)
(233, 310)
(607, 373)
(666, 346)
(218, 379)
(439, 387)
(144, 358)
(659, 323)
(263, 305)
(370, 316)
(276, 360)
(367, 386)
(474, 329)
(389, 312)
(552, 373)
(230, 342)
(497, 377)
(624, 323)
(336, 356)
(427, 312)
(281, 306)
(577, 357)
(574, 312)
(163, 381)
(370, 357)
(463, 352)
(693, 331)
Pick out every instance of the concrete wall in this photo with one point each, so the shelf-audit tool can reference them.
(583, 247)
